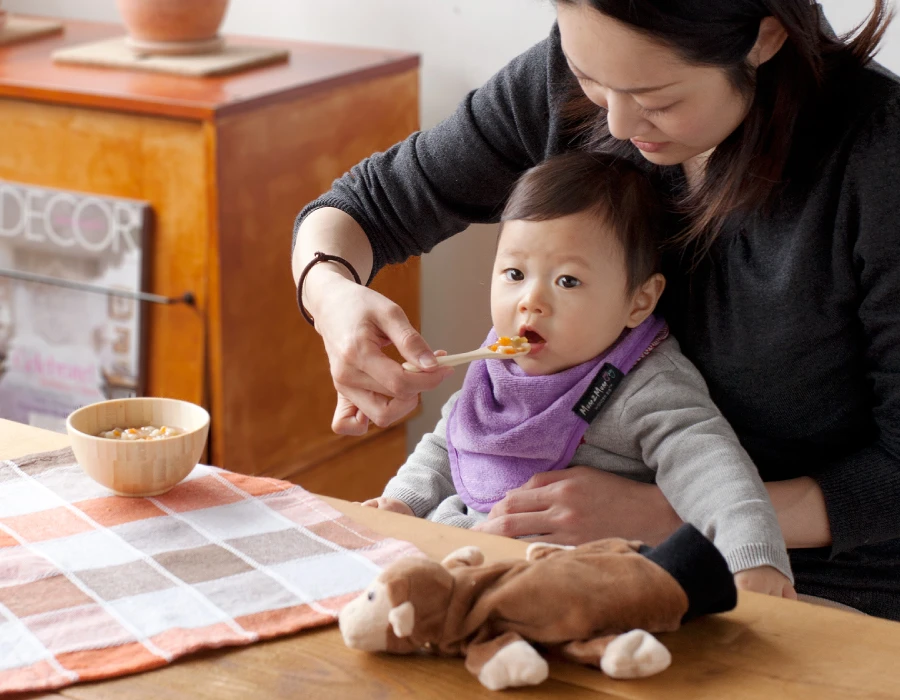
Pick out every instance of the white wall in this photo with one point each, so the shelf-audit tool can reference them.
(845, 15)
(462, 43)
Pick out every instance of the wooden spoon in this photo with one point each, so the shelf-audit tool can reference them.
(503, 349)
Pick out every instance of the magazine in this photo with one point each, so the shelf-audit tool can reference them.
(62, 348)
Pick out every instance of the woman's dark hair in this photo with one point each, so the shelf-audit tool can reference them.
(617, 192)
(746, 171)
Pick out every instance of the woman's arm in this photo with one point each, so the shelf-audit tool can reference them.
(800, 507)
(403, 202)
(576, 505)
(861, 490)
(356, 358)
(337, 233)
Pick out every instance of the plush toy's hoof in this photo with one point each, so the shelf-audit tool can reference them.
(635, 654)
(536, 550)
(466, 556)
(516, 664)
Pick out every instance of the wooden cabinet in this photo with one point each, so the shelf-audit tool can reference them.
(226, 162)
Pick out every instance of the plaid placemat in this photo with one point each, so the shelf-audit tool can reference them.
(94, 585)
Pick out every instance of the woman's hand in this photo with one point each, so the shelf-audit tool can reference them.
(580, 504)
(356, 323)
(767, 580)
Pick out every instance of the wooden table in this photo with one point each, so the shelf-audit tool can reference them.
(767, 648)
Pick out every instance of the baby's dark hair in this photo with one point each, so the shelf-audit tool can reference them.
(617, 191)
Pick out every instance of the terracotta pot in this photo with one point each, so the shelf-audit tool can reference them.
(175, 21)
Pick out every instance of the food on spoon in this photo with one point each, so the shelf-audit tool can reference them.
(510, 346)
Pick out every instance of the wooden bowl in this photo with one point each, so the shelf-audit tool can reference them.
(138, 467)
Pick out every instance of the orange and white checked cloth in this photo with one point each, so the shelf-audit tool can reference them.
(94, 585)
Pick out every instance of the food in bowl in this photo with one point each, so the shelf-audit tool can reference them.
(138, 467)
(147, 432)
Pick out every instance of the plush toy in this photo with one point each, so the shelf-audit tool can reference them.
(596, 604)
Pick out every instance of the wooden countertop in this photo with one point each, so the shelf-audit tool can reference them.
(27, 72)
(766, 649)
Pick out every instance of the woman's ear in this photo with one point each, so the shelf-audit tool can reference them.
(644, 300)
(769, 41)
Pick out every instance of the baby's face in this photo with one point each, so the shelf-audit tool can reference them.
(562, 284)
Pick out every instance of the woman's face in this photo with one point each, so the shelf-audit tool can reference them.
(672, 111)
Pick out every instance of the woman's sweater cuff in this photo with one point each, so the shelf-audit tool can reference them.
(862, 496)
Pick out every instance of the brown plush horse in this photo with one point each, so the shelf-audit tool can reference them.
(597, 604)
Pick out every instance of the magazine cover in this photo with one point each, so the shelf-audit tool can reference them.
(62, 348)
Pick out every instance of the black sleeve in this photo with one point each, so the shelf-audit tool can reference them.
(700, 570)
(862, 490)
(436, 182)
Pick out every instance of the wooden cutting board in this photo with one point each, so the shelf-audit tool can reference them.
(18, 29)
(114, 53)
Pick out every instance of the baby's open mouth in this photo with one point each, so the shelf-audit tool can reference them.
(533, 337)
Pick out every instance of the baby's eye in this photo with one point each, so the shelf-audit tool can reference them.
(513, 275)
(371, 595)
(568, 282)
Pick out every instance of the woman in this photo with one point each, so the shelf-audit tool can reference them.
(781, 147)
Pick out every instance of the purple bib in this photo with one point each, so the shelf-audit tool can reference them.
(507, 426)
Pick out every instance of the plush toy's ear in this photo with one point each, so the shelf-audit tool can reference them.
(402, 619)
(397, 587)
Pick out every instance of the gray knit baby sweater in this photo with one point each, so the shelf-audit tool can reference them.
(659, 425)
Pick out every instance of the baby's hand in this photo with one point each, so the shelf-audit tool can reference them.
(391, 504)
(765, 579)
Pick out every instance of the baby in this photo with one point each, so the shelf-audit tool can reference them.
(576, 273)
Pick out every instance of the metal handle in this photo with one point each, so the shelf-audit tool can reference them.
(186, 298)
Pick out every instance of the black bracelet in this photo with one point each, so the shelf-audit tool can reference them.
(316, 259)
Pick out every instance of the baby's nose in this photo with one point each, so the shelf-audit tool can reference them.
(533, 304)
